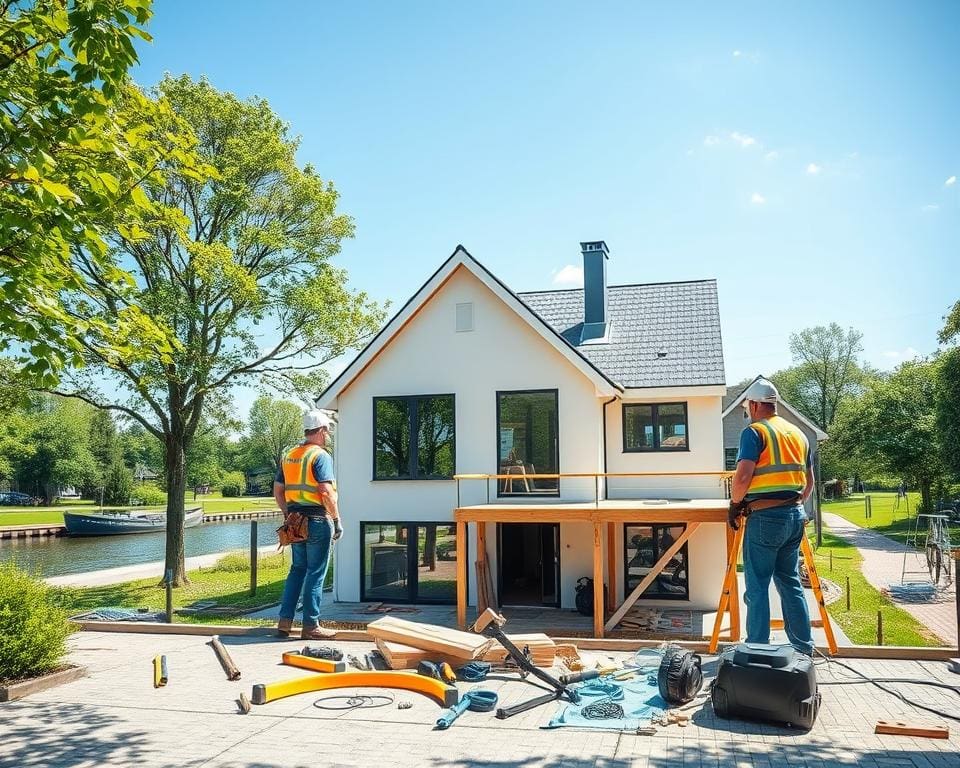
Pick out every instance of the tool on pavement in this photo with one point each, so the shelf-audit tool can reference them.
(322, 652)
(490, 624)
(476, 701)
(160, 675)
(233, 672)
(314, 663)
(243, 703)
(446, 695)
(680, 676)
(474, 671)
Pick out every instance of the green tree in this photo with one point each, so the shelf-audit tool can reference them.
(75, 140)
(274, 426)
(236, 263)
(118, 484)
(948, 394)
(891, 428)
(16, 428)
(825, 371)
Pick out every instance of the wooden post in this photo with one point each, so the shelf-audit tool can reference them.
(481, 572)
(611, 566)
(598, 614)
(879, 627)
(848, 593)
(462, 555)
(831, 561)
(168, 584)
(253, 557)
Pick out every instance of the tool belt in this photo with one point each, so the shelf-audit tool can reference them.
(760, 504)
(293, 530)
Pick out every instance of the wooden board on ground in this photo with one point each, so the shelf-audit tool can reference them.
(401, 656)
(899, 728)
(429, 637)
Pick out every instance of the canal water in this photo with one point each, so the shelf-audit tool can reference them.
(66, 555)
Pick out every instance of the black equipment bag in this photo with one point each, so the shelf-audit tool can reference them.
(766, 682)
(584, 596)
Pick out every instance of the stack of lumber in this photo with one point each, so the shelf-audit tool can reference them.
(404, 644)
(658, 620)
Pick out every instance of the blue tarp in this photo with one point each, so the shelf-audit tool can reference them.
(639, 698)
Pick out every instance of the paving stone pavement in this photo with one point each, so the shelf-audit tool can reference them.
(114, 717)
(883, 566)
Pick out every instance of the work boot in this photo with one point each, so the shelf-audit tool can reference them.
(316, 633)
(284, 626)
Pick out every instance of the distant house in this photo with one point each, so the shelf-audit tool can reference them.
(734, 422)
(143, 474)
(471, 377)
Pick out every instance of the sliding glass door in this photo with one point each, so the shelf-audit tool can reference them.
(408, 562)
(528, 442)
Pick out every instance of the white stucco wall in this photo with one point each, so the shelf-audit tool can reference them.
(430, 357)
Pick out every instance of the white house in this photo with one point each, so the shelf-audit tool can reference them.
(470, 377)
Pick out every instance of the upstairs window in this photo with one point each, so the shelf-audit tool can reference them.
(655, 427)
(414, 437)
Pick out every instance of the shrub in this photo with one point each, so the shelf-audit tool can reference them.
(148, 495)
(33, 628)
(118, 485)
(234, 484)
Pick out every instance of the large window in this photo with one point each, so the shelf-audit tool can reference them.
(408, 562)
(527, 442)
(414, 437)
(655, 427)
(643, 546)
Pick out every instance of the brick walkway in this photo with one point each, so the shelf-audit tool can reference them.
(115, 717)
(883, 565)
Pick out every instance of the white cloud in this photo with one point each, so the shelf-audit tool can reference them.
(895, 354)
(772, 155)
(737, 54)
(950, 182)
(711, 141)
(571, 275)
(689, 152)
(930, 208)
(813, 169)
(743, 139)
(757, 199)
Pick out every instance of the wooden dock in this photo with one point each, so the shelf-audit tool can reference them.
(32, 531)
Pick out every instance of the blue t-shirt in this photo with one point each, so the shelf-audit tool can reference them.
(322, 470)
(750, 447)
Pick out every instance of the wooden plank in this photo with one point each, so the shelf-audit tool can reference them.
(560, 513)
(429, 637)
(462, 575)
(483, 597)
(734, 601)
(654, 572)
(818, 593)
(899, 728)
(729, 586)
(401, 656)
(611, 566)
(490, 589)
(598, 580)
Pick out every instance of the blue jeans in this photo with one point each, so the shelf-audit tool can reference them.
(771, 549)
(308, 571)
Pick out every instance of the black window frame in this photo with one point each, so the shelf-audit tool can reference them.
(684, 550)
(413, 461)
(556, 396)
(728, 465)
(654, 411)
(413, 581)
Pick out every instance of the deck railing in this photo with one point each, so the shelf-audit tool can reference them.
(723, 479)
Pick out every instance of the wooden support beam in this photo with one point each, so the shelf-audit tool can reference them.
(611, 566)
(807, 553)
(647, 580)
(598, 579)
(462, 556)
(729, 586)
(483, 600)
(734, 603)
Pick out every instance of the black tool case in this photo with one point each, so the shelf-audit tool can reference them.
(766, 682)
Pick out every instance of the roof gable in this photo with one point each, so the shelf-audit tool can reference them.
(461, 259)
(729, 404)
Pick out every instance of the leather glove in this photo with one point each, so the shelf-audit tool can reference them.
(337, 529)
(735, 513)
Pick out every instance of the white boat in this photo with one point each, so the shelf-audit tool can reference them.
(114, 523)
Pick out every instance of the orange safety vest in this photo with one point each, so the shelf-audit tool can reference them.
(782, 465)
(300, 484)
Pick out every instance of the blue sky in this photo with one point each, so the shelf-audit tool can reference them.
(805, 157)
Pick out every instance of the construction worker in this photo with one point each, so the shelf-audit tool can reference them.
(305, 484)
(774, 478)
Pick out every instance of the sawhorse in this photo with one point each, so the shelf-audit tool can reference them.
(730, 586)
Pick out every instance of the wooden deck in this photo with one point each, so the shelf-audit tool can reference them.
(609, 512)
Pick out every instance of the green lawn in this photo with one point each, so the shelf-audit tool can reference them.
(860, 622)
(211, 504)
(227, 582)
(885, 518)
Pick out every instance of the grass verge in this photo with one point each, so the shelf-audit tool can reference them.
(888, 517)
(860, 622)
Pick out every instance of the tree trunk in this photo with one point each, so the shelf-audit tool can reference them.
(176, 466)
(430, 547)
(926, 503)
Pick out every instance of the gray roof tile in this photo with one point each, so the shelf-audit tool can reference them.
(681, 319)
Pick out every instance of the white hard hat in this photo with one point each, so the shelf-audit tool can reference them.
(314, 419)
(761, 391)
